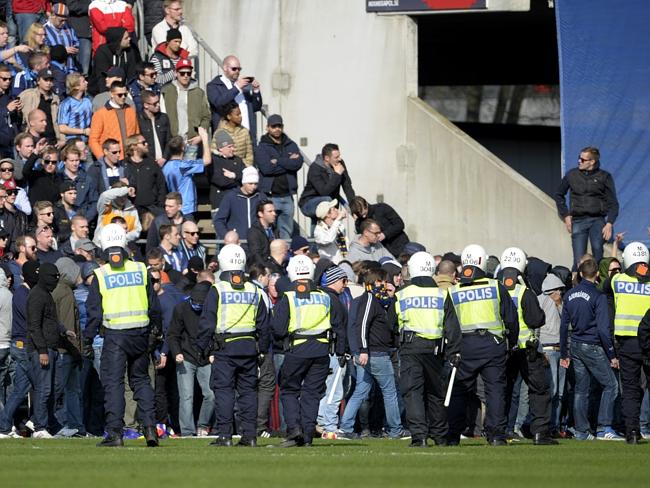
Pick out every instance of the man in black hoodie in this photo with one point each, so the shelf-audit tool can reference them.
(45, 335)
(118, 51)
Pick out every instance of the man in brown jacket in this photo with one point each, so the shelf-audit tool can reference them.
(42, 97)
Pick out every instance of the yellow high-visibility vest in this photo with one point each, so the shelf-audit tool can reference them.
(478, 306)
(421, 310)
(309, 316)
(237, 309)
(631, 302)
(517, 294)
(124, 295)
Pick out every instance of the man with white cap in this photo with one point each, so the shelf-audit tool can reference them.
(237, 210)
(329, 232)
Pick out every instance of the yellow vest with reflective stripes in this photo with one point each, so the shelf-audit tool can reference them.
(631, 301)
(309, 316)
(125, 303)
(421, 310)
(237, 309)
(477, 306)
(517, 294)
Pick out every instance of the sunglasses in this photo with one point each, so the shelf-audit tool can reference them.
(191, 233)
(144, 143)
(153, 103)
(155, 280)
(184, 73)
(114, 152)
(44, 229)
(12, 192)
(121, 95)
(275, 126)
(50, 161)
(235, 68)
(7, 170)
(46, 214)
(5, 79)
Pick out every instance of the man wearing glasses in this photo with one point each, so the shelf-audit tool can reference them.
(245, 91)
(10, 113)
(145, 80)
(173, 20)
(367, 247)
(593, 208)
(58, 32)
(190, 245)
(7, 180)
(154, 125)
(41, 175)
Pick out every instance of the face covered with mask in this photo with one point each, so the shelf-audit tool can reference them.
(30, 273)
(48, 276)
(380, 292)
(197, 297)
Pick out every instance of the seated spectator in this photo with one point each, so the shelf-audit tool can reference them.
(43, 98)
(113, 120)
(10, 113)
(173, 215)
(166, 55)
(59, 33)
(108, 169)
(57, 65)
(46, 251)
(329, 232)
(367, 247)
(43, 181)
(7, 179)
(115, 201)
(325, 179)
(26, 79)
(112, 75)
(231, 122)
(279, 257)
(170, 239)
(145, 79)
(9, 55)
(37, 125)
(78, 230)
(226, 171)
(35, 40)
(243, 90)
(84, 251)
(65, 209)
(87, 194)
(178, 171)
(174, 20)
(104, 14)
(20, 218)
(76, 110)
(187, 108)
(118, 51)
(262, 232)
(237, 210)
(393, 236)
(190, 245)
(145, 176)
(154, 126)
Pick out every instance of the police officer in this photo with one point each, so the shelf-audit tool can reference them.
(235, 316)
(488, 319)
(631, 294)
(306, 321)
(428, 330)
(525, 359)
(123, 303)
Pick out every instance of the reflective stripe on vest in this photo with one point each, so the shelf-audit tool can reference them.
(125, 303)
(237, 308)
(421, 310)
(477, 306)
(631, 301)
(517, 294)
(309, 316)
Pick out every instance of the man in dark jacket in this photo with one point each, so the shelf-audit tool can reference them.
(326, 176)
(145, 79)
(262, 232)
(145, 176)
(226, 170)
(118, 51)
(278, 159)
(154, 126)
(594, 206)
(78, 20)
(392, 234)
(237, 210)
(10, 113)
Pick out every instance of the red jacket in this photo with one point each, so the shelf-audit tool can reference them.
(30, 6)
(109, 13)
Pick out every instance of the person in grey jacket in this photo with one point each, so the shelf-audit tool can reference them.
(368, 247)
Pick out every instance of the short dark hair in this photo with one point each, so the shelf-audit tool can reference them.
(146, 95)
(593, 151)
(141, 67)
(255, 270)
(365, 225)
(118, 219)
(176, 145)
(328, 149)
(117, 84)
(226, 109)
(108, 143)
(446, 267)
(358, 205)
(260, 206)
(373, 275)
(35, 59)
(165, 229)
(154, 253)
(589, 268)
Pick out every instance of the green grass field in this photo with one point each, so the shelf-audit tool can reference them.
(374, 463)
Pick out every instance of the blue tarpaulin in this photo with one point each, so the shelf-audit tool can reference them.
(604, 51)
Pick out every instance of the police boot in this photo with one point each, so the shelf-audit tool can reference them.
(294, 439)
(544, 440)
(111, 440)
(497, 442)
(151, 436)
(633, 437)
(222, 441)
(247, 442)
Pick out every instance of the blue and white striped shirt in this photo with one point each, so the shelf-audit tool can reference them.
(65, 36)
(76, 114)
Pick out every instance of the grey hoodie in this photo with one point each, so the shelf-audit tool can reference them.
(5, 311)
(374, 252)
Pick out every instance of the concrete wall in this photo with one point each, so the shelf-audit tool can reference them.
(339, 74)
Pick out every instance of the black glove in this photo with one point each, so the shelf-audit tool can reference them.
(155, 339)
(88, 351)
(260, 359)
(454, 360)
(343, 360)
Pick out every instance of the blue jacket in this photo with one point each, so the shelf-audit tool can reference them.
(237, 212)
(19, 314)
(9, 126)
(136, 90)
(218, 94)
(284, 166)
(585, 309)
(87, 194)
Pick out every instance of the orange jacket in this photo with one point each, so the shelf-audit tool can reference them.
(105, 125)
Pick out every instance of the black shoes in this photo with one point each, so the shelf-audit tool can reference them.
(419, 443)
(112, 440)
(497, 442)
(295, 442)
(633, 437)
(544, 440)
(151, 436)
(247, 442)
(222, 442)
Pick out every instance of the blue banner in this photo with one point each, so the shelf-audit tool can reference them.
(605, 98)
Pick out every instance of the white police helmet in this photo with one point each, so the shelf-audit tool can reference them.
(474, 255)
(300, 268)
(232, 258)
(113, 235)
(635, 252)
(513, 257)
(421, 264)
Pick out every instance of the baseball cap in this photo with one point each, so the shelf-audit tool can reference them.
(184, 64)
(275, 119)
(60, 9)
(66, 186)
(9, 184)
(85, 244)
(323, 208)
(114, 71)
(46, 74)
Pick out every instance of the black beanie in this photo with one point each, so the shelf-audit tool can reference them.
(174, 34)
(200, 291)
(48, 276)
(30, 273)
(58, 53)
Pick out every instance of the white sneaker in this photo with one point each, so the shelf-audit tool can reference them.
(30, 425)
(66, 432)
(42, 434)
(202, 432)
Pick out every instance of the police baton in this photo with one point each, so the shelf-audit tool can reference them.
(450, 386)
(337, 377)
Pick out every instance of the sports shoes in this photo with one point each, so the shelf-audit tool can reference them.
(30, 425)
(42, 434)
(66, 433)
(131, 434)
(584, 437)
(202, 432)
(609, 434)
(645, 434)
(345, 436)
(402, 435)
(13, 434)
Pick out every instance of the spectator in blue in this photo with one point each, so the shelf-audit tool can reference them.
(58, 32)
(10, 113)
(230, 86)
(145, 79)
(178, 171)
(87, 193)
(592, 352)
(59, 70)
(76, 110)
(27, 79)
(78, 20)
(238, 209)
(279, 160)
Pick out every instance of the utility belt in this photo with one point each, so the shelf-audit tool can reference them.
(481, 332)
(290, 341)
(410, 337)
(221, 339)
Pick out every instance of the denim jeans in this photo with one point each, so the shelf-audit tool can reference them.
(185, 374)
(23, 21)
(278, 359)
(67, 389)
(284, 210)
(587, 229)
(6, 372)
(309, 207)
(590, 361)
(557, 376)
(644, 416)
(22, 385)
(328, 409)
(83, 56)
(42, 377)
(379, 368)
(518, 405)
